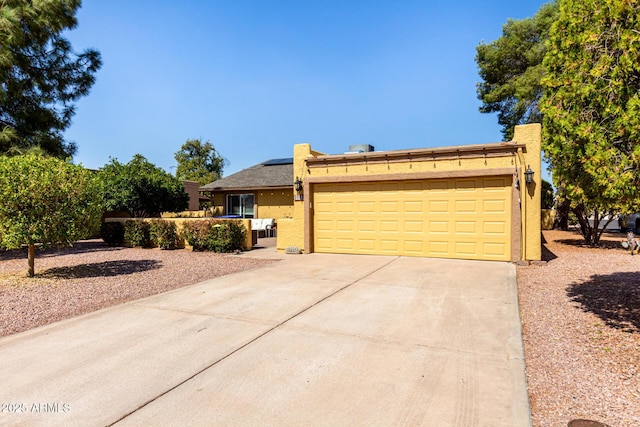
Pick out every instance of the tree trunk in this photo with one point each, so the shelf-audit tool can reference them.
(562, 215)
(32, 257)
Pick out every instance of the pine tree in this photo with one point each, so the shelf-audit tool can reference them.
(40, 75)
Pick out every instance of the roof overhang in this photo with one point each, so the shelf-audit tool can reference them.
(243, 189)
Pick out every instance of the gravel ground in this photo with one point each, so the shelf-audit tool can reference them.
(92, 275)
(581, 330)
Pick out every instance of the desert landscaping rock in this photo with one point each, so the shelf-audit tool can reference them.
(581, 330)
(92, 275)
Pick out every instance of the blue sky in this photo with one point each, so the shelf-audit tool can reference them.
(256, 77)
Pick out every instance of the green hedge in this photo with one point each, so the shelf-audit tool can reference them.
(112, 233)
(214, 235)
(137, 233)
(164, 234)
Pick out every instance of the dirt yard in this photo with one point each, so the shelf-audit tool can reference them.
(581, 326)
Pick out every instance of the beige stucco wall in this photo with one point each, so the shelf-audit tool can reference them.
(217, 207)
(293, 232)
(531, 196)
(277, 203)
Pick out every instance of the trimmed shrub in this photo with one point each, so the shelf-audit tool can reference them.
(193, 232)
(136, 233)
(214, 235)
(164, 234)
(112, 233)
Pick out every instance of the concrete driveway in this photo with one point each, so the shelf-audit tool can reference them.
(311, 340)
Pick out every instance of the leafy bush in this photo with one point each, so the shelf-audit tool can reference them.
(141, 189)
(195, 232)
(112, 233)
(214, 235)
(137, 233)
(164, 234)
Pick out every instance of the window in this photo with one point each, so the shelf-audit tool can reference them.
(240, 204)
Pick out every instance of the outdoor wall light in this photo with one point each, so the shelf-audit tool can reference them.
(528, 176)
(298, 186)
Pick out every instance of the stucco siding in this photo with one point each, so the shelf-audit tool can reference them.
(275, 204)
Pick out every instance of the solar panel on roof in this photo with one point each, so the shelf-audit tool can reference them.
(275, 162)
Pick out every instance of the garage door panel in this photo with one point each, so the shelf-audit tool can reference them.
(438, 206)
(494, 227)
(389, 206)
(494, 185)
(413, 187)
(413, 226)
(390, 188)
(366, 226)
(372, 187)
(344, 207)
(495, 206)
(344, 225)
(389, 226)
(438, 187)
(495, 249)
(465, 206)
(345, 244)
(451, 218)
(438, 248)
(466, 185)
(389, 245)
(366, 207)
(413, 206)
(466, 227)
(414, 247)
(345, 190)
(323, 244)
(324, 205)
(324, 225)
(439, 227)
(367, 244)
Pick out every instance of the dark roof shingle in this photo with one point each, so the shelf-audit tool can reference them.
(269, 174)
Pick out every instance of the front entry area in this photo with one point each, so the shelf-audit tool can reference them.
(465, 218)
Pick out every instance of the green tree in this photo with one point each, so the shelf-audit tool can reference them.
(199, 162)
(44, 200)
(40, 75)
(548, 200)
(511, 70)
(141, 189)
(591, 108)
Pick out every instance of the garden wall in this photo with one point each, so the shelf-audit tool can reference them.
(247, 246)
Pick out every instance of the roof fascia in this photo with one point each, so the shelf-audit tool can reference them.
(418, 154)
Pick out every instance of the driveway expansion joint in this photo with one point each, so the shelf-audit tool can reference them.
(213, 315)
(153, 399)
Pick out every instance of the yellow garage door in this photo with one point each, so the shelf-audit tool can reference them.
(467, 218)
